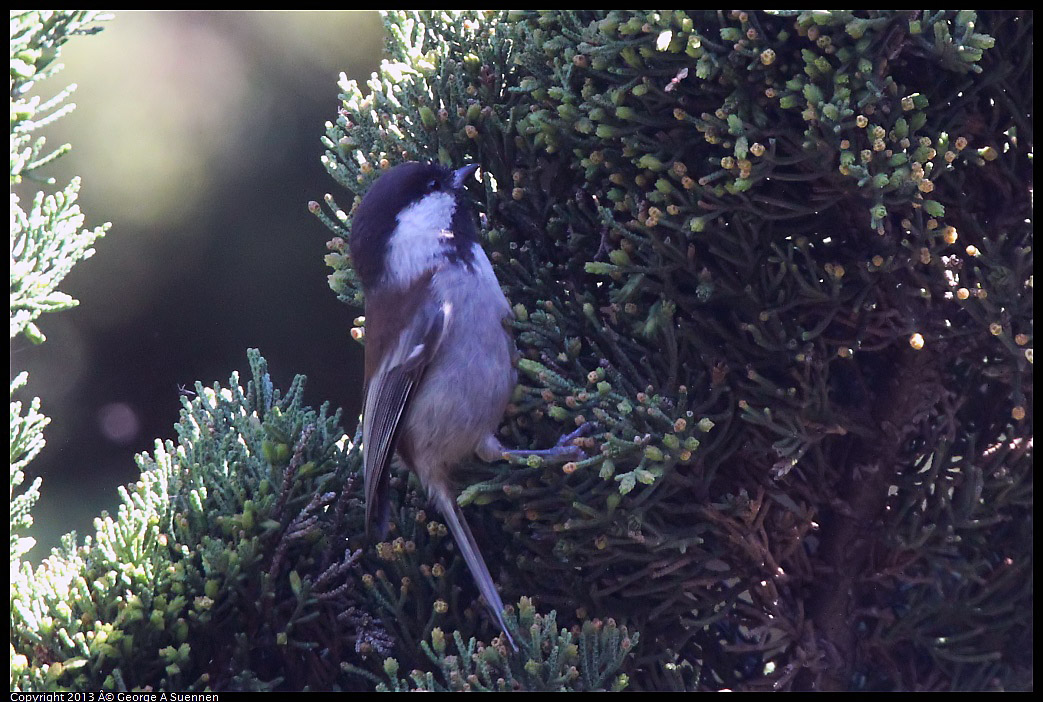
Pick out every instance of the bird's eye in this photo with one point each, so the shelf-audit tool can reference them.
(433, 185)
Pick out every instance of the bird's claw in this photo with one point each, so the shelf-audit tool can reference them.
(577, 453)
(561, 452)
(583, 430)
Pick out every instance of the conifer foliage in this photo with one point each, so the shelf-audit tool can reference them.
(782, 260)
(779, 261)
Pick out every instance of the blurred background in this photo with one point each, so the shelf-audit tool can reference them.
(196, 134)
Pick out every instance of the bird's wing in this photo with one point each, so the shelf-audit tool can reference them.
(388, 393)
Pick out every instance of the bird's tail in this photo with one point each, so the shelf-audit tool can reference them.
(465, 542)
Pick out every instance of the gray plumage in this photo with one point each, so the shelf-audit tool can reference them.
(439, 368)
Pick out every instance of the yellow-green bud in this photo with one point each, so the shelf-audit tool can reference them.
(427, 117)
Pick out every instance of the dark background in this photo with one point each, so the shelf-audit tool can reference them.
(197, 135)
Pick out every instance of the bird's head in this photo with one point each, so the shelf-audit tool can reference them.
(412, 217)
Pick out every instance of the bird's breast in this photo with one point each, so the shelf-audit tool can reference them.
(465, 391)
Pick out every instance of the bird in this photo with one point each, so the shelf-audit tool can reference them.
(439, 359)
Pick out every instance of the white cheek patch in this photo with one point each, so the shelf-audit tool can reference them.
(419, 241)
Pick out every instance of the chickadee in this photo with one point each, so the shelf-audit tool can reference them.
(438, 369)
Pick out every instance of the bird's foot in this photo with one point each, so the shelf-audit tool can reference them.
(562, 452)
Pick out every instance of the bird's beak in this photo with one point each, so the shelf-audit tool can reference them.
(462, 175)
